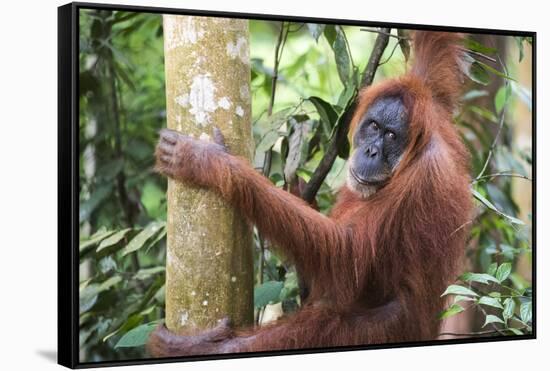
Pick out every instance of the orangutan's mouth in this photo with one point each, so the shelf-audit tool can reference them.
(364, 181)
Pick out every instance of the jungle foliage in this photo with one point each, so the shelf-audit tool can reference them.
(317, 70)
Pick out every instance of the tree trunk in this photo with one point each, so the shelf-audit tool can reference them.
(209, 267)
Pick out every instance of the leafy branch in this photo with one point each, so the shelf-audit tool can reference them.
(485, 290)
(340, 137)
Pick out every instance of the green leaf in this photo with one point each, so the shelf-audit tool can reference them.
(297, 67)
(489, 205)
(126, 319)
(501, 97)
(508, 251)
(337, 40)
(337, 175)
(519, 42)
(85, 333)
(515, 331)
(160, 295)
(478, 277)
(344, 149)
(451, 311)
(473, 69)
(96, 198)
(330, 33)
(145, 273)
(155, 240)
(478, 74)
(492, 269)
(473, 94)
(526, 311)
(327, 113)
(507, 160)
(148, 310)
(277, 179)
(88, 245)
(477, 47)
(271, 123)
(501, 200)
(503, 271)
(107, 264)
(492, 302)
(121, 72)
(459, 298)
(152, 198)
(113, 240)
(520, 283)
(110, 170)
(123, 16)
(266, 293)
(137, 336)
(459, 290)
(106, 285)
(346, 99)
(304, 174)
(492, 319)
(297, 147)
(131, 322)
(316, 30)
(267, 141)
(138, 150)
(257, 65)
(495, 71)
(509, 307)
(484, 113)
(138, 241)
(290, 287)
(88, 297)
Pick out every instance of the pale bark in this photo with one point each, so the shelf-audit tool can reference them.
(209, 269)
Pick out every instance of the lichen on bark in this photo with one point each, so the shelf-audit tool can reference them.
(209, 268)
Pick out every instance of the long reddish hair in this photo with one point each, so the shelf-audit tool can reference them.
(413, 226)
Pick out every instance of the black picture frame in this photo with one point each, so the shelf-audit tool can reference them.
(68, 200)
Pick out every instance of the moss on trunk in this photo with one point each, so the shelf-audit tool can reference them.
(209, 267)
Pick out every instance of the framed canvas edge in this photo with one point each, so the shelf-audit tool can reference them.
(67, 227)
(68, 208)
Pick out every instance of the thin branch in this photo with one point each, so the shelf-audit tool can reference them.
(500, 331)
(278, 55)
(493, 145)
(297, 28)
(481, 55)
(512, 290)
(500, 126)
(502, 174)
(379, 46)
(478, 333)
(389, 34)
(391, 54)
(339, 138)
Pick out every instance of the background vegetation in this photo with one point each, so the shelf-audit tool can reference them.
(304, 77)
